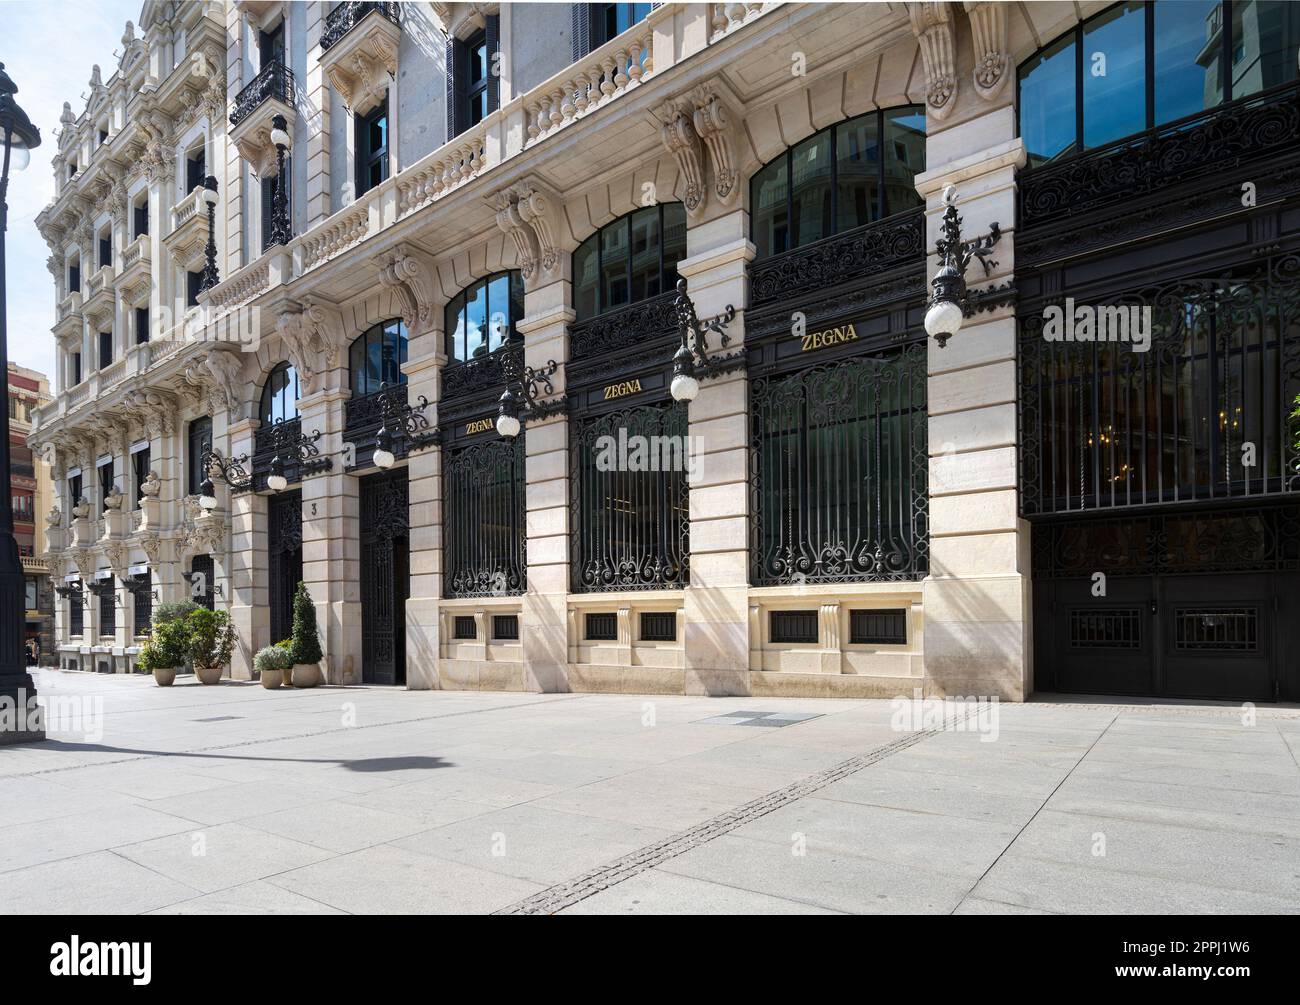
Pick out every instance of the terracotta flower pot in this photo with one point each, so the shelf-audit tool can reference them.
(271, 679)
(306, 674)
(164, 676)
(208, 675)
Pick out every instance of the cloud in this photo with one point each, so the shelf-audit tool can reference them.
(49, 50)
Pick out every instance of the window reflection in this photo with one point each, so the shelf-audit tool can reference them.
(482, 317)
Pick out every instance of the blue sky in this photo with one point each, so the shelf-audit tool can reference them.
(49, 48)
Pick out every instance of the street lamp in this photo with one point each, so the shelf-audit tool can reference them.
(232, 471)
(397, 417)
(17, 689)
(279, 204)
(210, 276)
(949, 303)
(525, 388)
(691, 361)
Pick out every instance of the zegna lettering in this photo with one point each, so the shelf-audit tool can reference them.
(828, 337)
(102, 959)
(622, 389)
(477, 426)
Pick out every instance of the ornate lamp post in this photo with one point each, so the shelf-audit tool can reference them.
(298, 447)
(950, 304)
(400, 419)
(20, 721)
(691, 362)
(525, 387)
(279, 204)
(210, 276)
(231, 470)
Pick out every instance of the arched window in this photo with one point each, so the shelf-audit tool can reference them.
(376, 357)
(280, 395)
(847, 175)
(1136, 66)
(632, 259)
(483, 316)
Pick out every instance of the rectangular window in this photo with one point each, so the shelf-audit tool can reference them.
(105, 349)
(793, 627)
(76, 610)
(505, 627)
(203, 581)
(658, 626)
(372, 148)
(74, 278)
(1114, 75)
(74, 490)
(630, 527)
(195, 171)
(76, 369)
(30, 592)
(140, 220)
(810, 174)
(140, 466)
(465, 627)
(1048, 122)
(141, 325)
(1266, 35)
(602, 627)
(878, 627)
(105, 483)
(200, 439)
(106, 250)
(1188, 72)
(193, 287)
(107, 610)
(483, 505)
(142, 595)
(475, 75)
(609, 20)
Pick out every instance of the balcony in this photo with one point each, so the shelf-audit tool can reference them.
(189, 232)
(67, 324)
(359, 51)
(99, 306)
(133, 277)
(270, 93)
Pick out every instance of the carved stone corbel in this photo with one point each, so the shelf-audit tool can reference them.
(359, 67)
(409, 274)
(988, 24)
(526, 211)
(932, 26)
(220, 375)
(712, 121)
(677, 131)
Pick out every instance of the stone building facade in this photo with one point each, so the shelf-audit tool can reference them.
(857, 512)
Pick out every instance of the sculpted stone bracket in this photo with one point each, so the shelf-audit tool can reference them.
(988, 23)
(694, 125)
(313, 333)
(359, 65)
(932, 25)
(151, 409)
(219, 376)
(409, 273)
(527, 212)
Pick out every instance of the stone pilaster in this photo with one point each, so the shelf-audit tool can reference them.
(318, 99)
(976, 598)
(544, 625)
(423, 369)
(717, 599)
(250, 611)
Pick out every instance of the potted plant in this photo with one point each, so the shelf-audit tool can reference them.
(211, 641)
(165, 652)
(273, 663)
(305, 648)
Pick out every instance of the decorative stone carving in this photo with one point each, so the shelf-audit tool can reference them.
(932, 25)
(409, 274)
(677, 131)
(988, 24)
(113, 501)
(219, 375)
(151, 485)
(360, 63)
(80, 508)
(526, 211)
(712, 121)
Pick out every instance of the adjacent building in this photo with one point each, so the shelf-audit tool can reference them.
(32, 495)
(434, 225)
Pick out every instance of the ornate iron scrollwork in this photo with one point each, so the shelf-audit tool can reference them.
(295, 448)
(232, 470)
(530, 387)
(274, 81)
(401, 420)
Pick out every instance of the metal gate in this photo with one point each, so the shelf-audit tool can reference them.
(385, 577)
(1197, 604)
(284, 553)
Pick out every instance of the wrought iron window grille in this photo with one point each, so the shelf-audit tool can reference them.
(346, 16)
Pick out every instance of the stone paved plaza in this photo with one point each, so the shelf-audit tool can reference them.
(233, 799)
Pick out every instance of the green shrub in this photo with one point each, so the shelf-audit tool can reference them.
(211, 637)
(306, 642)
(273, 658)
(173, 610)
(168, 646)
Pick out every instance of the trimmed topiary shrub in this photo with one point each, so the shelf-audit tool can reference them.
(306, 642)
(273, 658)
(211, 637)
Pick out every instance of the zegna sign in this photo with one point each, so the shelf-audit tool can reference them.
(827, 337)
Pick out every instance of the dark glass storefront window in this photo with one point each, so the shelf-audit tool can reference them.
(483, 519)
(482, 317)
(200, 439)
(280, 395)
(376, 357)
(840, 472)
(843, 177)
(1136, 66)
(630, 522)
(630, 260)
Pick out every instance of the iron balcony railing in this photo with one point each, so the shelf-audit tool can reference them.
(274, 81)
(346, 16)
